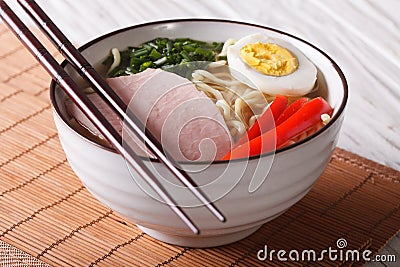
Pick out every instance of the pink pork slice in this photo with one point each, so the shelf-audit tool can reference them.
(183, 119)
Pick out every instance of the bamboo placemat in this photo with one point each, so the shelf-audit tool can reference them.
(48, 217)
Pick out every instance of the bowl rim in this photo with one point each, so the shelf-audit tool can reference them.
(338, 114)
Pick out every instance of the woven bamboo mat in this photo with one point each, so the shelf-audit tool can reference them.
(47, 217)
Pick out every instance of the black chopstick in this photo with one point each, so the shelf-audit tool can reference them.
(87, 71)
(87, 107)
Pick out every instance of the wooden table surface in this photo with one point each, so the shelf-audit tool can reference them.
(362, 36)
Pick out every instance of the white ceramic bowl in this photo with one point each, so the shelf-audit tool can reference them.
(289, 173)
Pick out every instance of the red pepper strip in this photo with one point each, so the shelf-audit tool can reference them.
(267, 120)
(303, 119)
(291, 109)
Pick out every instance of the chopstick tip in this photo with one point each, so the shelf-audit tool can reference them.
(216, 212)
(194, 229)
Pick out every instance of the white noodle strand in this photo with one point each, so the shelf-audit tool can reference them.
(210, 76)
(217, 64)
(206, 88)
(117, 59)
(224, 50)
(224, 109)
(239, 104)
(238, 125)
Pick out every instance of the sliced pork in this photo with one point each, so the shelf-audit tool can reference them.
(183, 119)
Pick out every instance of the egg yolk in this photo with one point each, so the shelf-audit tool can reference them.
(269, 58)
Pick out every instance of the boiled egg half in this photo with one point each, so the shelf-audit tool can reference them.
(271, 65)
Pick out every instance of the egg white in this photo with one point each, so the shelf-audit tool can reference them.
(298, 83)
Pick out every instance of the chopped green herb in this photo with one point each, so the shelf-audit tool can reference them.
(176, 55)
